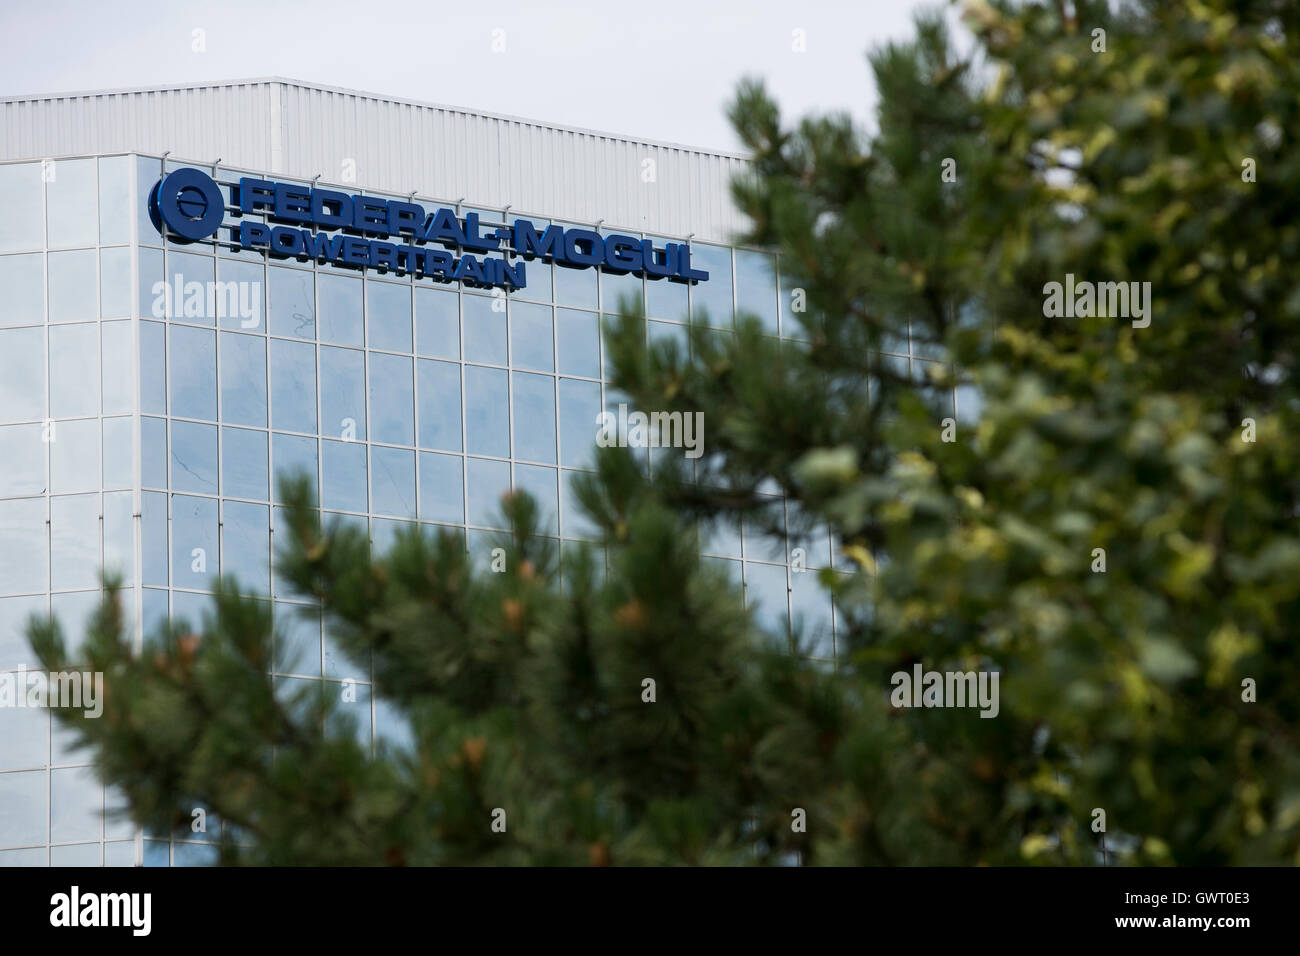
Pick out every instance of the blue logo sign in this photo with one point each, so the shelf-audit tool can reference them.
(355, 231)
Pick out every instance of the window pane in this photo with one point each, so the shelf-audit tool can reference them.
(74, 541)
(531, 337)
(811, 606)
(188, 279)
(388, 316)
(392, 482)
(617, 290)
(293, 455)
(71, 210)
(74, 456)
(246, 543)
(194, 457)
(119, 536)
(343, 393)
(437, 323)
(343, 468)
(756, 286)
(485, 482)
(154, 296)
(15, 651)
(153, 444)
(243, 379)
(74, 370)
(76, 805)
(244, 465)
(21, 197)
(153, 536)
(73, 285)
(293, 386)
(153, 368)
(487, 411)
(25, 555)
(23, 454)
(579, 412)
(765, 589)
(712, 297)
(578, 335)
(438, 385)
(292, 302)
(23, 809)
(534, 417)
(542, 485)
(193, 372)
(442, 488)
(23, 279)
(341, 320)
(392, 400)
(297, 646)
(117, 368)
(22, 374)
(240, 295)
(114, 199)
(485, 329)
(194, 542)
(576, 287)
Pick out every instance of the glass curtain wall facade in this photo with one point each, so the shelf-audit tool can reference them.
(141, 429)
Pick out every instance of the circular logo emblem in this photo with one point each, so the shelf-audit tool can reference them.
(189, 203)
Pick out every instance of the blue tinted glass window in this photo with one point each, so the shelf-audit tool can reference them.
(74, 456)
(153, 537)
(195, 555)
(339, 305)
(21, 197)
(153, 367)
(155, 297)
(153, 458)
(342, 393)
(244, 471)
(531, 337)
(442, 488)
(193, 372)
(117, 368)
(74, 370)
(711, 299)
(487, 411)
(240, 296)
(437, 323)
(756, 286)
(73, 292)
(765, 589)
(23, 453)
(71, 203)
(74, 541)
(246, 539)
(485, 482)
(392, 482)
(343, 470)
(22, 374)
(618, 290)
(292, 308)
(293, 385)
(388, 316)
(542, 484)
(293, 455)
(243, 379)
(578, 339)
(438, 387)
(575, 287)
(23, 279)
(392, 400)
(194, 457)
(297, 645)
(114, 199)
(579, 412)
(115, 282)
(189, 277)
(534, 417)
(811, 606)
(485, 329)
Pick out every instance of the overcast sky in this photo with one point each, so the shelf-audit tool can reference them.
(658, 69)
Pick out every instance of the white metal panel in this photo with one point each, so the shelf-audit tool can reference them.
(299, 130)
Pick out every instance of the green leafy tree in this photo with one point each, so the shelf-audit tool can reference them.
(1107, 518)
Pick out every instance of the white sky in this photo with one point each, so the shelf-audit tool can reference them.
(659, 69)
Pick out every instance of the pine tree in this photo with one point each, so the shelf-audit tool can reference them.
(1106, 519)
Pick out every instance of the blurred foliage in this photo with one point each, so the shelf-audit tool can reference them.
(1113, 157)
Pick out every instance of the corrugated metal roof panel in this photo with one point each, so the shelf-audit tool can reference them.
(299, 130)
